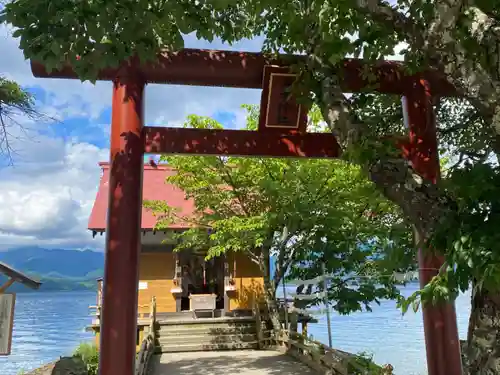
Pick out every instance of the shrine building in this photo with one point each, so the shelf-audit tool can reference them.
(224, 286)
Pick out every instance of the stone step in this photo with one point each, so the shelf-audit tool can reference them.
(206, 328)
(176, 347)
(207, 324)
(207, 339)
(216, 321)
(179, 331)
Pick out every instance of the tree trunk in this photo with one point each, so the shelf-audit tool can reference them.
(269, 292)
(270, 297)
(483, 340)
(423, 203)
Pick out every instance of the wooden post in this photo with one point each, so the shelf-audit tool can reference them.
(258, 325)
(178, 283)
(152, 318)
(440, 322)
(99, 300)
(325, 300)
(294, 318)
(285, 304)
(6, 285)
(7, 307)
(226, 284)
(119, 313)
(99, 293)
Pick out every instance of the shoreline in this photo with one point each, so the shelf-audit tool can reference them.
(47, 369)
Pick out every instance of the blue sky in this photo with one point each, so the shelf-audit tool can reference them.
(46, 197)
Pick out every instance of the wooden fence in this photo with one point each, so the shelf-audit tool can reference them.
(147, 347)
(96, 312)
(316, 355)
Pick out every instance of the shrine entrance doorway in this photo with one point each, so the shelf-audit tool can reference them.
(201, 276)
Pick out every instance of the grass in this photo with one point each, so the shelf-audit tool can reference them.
(364, 360)
(89, 354)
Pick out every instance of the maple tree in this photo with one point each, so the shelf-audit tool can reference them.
(299, 212)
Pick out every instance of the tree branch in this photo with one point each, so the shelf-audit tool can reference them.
(384, 13)
(445, 52)
(5, 146)
(254, 258)
(420, 201)
(230, 181)
(281, 264)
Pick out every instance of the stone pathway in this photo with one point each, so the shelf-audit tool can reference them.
(241, 362)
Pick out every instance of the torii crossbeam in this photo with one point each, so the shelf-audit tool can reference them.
(281, 133)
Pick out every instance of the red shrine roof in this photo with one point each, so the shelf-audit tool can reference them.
(154, 187)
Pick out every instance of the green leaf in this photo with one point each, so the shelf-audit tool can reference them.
(416, 305)
(17, 33)
(55, 48)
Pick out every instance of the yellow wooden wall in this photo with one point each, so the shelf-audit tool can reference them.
(157, 270)
(249, 282)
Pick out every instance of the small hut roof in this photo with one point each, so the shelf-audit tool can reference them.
(19, 276)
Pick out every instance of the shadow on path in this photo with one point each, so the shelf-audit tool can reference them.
(244, 362)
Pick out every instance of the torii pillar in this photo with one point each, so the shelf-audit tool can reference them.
(121, 272)
(440, 322)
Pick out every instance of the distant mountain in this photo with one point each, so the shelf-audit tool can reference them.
(57, 269)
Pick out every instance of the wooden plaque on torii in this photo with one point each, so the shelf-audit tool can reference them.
(279, 110)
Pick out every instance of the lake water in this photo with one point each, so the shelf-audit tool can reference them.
(385, 333)
(49, 325)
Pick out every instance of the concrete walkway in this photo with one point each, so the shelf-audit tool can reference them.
(242, 362)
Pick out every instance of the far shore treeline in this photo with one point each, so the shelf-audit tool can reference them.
(57, 269)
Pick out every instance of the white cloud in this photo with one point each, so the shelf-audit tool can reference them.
(171, 106)
(46, 198)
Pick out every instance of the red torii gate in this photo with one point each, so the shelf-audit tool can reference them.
(275, 137)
